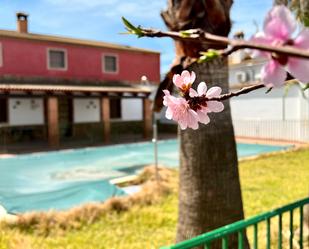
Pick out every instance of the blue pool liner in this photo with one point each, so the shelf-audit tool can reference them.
(61, 199)
(64, 179)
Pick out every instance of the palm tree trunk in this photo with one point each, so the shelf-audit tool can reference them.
(209, 188)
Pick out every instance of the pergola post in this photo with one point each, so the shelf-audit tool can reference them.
(52, 121)
(147, 117)
(105, 112)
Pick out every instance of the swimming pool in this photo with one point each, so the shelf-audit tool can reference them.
(63, 179)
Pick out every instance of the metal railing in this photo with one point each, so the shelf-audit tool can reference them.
(241, 227)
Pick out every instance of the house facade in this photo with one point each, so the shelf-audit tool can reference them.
(56, 85)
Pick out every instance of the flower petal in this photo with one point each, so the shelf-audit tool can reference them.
(193, 77)
(186, 77)
(299, 68)
(273, 74)
(166, 97)
(302, 40)
(279, 23)
(193, 93)
(203, 117)
(177, 80)
(213, 92)
(183, 124)
(185, 73)
(261, 39)
(169, 113)
(215, 106)
(192, 119)
(202, 89)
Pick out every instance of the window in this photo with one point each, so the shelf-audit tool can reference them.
(115, 108)
(57, 59)
(1, 56)
(241, 77)
(3, 110)
(110, 64)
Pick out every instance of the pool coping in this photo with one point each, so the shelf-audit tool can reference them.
(7, 217)
(6, 155)
(237, 139)
(265, 141)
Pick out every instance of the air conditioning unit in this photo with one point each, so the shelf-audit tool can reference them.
(241, 77)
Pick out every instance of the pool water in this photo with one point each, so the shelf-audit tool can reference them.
(63, 179)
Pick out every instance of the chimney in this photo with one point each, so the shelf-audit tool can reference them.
(22, 22)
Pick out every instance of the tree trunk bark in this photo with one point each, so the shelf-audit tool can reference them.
(209, 188)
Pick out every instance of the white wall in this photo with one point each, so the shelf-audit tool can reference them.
(26, 111)
(304, 104)
(131, 109)
(272, 115)
(293, 130)
(272, 106)
(86, 110)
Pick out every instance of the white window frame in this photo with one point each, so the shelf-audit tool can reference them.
(103, 63)
(1, 55)
(65, 68)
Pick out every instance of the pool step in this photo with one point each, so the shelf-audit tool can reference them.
(6, 217)
(124, 179)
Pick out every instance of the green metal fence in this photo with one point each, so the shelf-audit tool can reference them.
(265, 221)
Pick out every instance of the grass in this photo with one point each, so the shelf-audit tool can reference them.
(267, 182)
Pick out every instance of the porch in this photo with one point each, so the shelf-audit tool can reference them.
(56, 116)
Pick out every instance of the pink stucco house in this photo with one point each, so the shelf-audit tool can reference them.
(56, 85)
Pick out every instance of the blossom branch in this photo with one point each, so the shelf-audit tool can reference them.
(193, 106)
(285, 54)
(229, 95)
(200, 36)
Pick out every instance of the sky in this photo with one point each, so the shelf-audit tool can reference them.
(101, 20)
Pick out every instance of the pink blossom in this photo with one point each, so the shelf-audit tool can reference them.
(211, 106)
(279, 26)
(179, 110)
(193, 107)
(185, 80)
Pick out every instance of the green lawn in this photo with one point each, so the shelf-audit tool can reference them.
(267, 182)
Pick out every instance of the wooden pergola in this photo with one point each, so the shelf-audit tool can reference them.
(105, 93)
